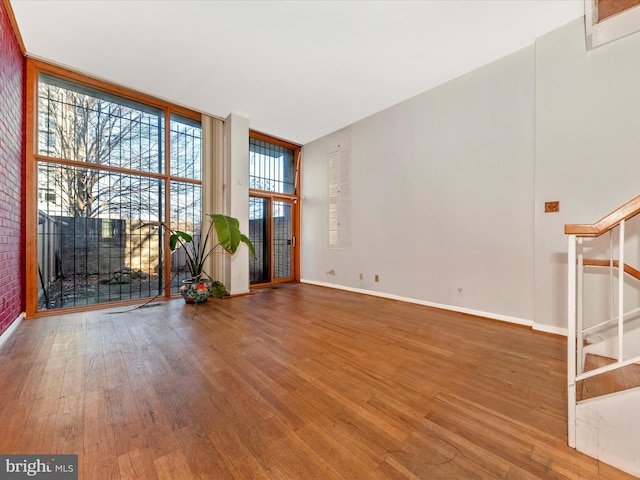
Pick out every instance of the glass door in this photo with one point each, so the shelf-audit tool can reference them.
(282, 240)
(271, 230)
(259, 267)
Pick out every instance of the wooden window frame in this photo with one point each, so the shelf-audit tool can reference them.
(32, 158)
(297, 152)
(606, 22)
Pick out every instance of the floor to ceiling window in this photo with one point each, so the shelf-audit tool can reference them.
(108, 170)
(274, 169)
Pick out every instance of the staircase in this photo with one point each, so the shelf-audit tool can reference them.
(603, 354)
(617, 380)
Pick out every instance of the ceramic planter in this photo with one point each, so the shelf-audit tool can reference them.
(195, 292)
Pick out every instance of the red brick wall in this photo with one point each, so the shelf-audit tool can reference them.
(11, 176)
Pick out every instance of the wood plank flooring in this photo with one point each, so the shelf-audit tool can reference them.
(296, 382)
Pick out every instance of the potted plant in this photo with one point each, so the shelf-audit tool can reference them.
(197, 250)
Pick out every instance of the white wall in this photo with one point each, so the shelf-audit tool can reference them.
(449, 187)
(442, 196)
(587, 147)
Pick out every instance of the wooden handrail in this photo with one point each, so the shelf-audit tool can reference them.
(605, 263)
(626, 211)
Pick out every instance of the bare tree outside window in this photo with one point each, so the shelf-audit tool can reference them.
(75, 125)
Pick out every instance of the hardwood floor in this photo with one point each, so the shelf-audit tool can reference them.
(297, 382)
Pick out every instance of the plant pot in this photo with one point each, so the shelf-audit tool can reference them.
(195, 291)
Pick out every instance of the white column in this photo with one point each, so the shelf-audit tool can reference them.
(236, 161)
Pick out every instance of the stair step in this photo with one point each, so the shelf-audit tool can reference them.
(610, 382)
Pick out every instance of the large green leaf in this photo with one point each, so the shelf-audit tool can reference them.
(228, 231)
(247, 242)
(218, 289)
(176, 236)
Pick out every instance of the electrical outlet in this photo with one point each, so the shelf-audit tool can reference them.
(361, 276)
(377, 278)
(551, 207)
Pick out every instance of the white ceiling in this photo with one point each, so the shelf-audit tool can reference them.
(296, 69)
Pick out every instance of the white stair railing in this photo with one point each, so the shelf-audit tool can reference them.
(576, 331)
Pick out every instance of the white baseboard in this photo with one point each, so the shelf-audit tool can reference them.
(12, 328)
(549, 329)
(478, 313)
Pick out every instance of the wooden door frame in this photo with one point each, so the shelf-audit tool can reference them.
(295, 228)
(295, 198)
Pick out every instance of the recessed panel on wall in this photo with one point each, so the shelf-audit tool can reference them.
(339, 164)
